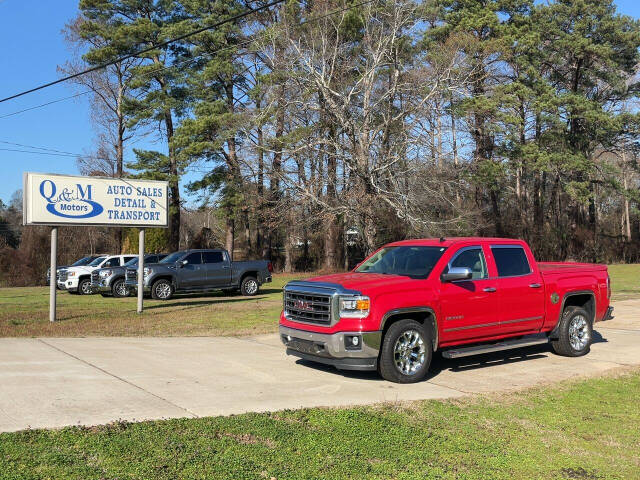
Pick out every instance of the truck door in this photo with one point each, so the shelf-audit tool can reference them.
(469, 308)
(192, 273)
(218, 269)
(520, 290)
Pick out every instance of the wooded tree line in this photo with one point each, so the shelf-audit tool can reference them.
(313, 132)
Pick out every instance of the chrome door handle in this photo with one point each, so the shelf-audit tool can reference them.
(535, 285)
(489, 289)
(226, 266)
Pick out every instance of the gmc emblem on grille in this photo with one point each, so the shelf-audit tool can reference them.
(302, 305)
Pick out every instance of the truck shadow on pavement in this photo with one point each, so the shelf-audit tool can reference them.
(440, 364)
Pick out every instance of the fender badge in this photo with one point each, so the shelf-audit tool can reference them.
(555, 298)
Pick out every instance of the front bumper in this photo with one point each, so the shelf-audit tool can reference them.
(331, 349)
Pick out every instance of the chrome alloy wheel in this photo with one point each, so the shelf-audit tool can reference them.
(251, 287)
(121, 289)
(163, 291)
(85, 288)
(409, 352)
(579, 334)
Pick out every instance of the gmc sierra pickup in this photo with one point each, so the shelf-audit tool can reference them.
(463, 296)
(200, 271)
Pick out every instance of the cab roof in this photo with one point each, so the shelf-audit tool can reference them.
(449, 241)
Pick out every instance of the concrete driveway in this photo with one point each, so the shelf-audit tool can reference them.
(54, 382)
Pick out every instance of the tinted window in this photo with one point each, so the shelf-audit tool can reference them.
(173, 258)
(151, 259)
(212, 257)
(473, 259)
(114, 262)
(510, 261)
(83, 261)
(97, 261)
(129, 258)
(194, 258)
(409, 261)
(132, 262)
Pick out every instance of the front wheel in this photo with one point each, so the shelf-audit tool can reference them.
(84, 287)
(162, 290)
(249, 286)
(119, 288)
(406, 352)
(575, 333)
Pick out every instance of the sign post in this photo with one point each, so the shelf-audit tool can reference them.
(140, 270)
(53, 278)
(50, 199)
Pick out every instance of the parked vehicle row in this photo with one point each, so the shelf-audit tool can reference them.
(185, 271)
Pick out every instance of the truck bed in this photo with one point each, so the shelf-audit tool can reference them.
(547, 268)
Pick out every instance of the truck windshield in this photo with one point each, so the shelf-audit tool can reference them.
(83, 261)
(97, 261)
(132, 262)
(415, 262)
(172, 257)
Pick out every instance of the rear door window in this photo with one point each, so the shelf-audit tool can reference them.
(511, 260)
(212, 257)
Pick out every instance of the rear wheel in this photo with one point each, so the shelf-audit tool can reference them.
(406, 352)
(575, 333)
(84, 286)
(249, 286)
(119, 288)
(162, 290)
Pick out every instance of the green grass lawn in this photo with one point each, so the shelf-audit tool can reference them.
(588, 429)
(625, 280)
(25, 311)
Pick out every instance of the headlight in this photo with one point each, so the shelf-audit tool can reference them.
(105, 273)
(72, 274)
(147, 271)
(354, 307)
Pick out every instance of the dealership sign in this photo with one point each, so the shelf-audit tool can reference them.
(50, 199)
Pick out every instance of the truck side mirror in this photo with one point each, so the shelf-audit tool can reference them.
(456, 273)
(182, 263)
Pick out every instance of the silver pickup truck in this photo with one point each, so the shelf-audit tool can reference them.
(111, 281)
(200, 271)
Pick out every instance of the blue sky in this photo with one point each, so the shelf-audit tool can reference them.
(33, 46)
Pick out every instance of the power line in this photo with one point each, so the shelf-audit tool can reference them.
(38, 148)
(191, 60)
(45, 104)
(145, 50)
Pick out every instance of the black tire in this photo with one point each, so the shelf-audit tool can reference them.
(162, 290)
(84, 287)
(575, 333)
(387, 362)
(116, 289)
(249, 286)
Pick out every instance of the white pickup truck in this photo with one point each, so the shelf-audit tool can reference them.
(78, 279)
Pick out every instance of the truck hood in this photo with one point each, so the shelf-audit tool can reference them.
(83, 269)
(367, 282)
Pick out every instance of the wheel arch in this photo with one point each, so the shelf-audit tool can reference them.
(248, 273)
(422, 314)
(164, 276)
(578, 298)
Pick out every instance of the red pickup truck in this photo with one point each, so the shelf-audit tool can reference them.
(462, 296)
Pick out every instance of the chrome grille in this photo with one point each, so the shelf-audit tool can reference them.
(63, 275)
(307, 307)
(95, 277)
(131, 274)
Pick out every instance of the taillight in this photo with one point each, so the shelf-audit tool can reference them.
(608, 287)
(270, 267)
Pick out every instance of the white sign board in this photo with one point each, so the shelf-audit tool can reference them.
(50, 199)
